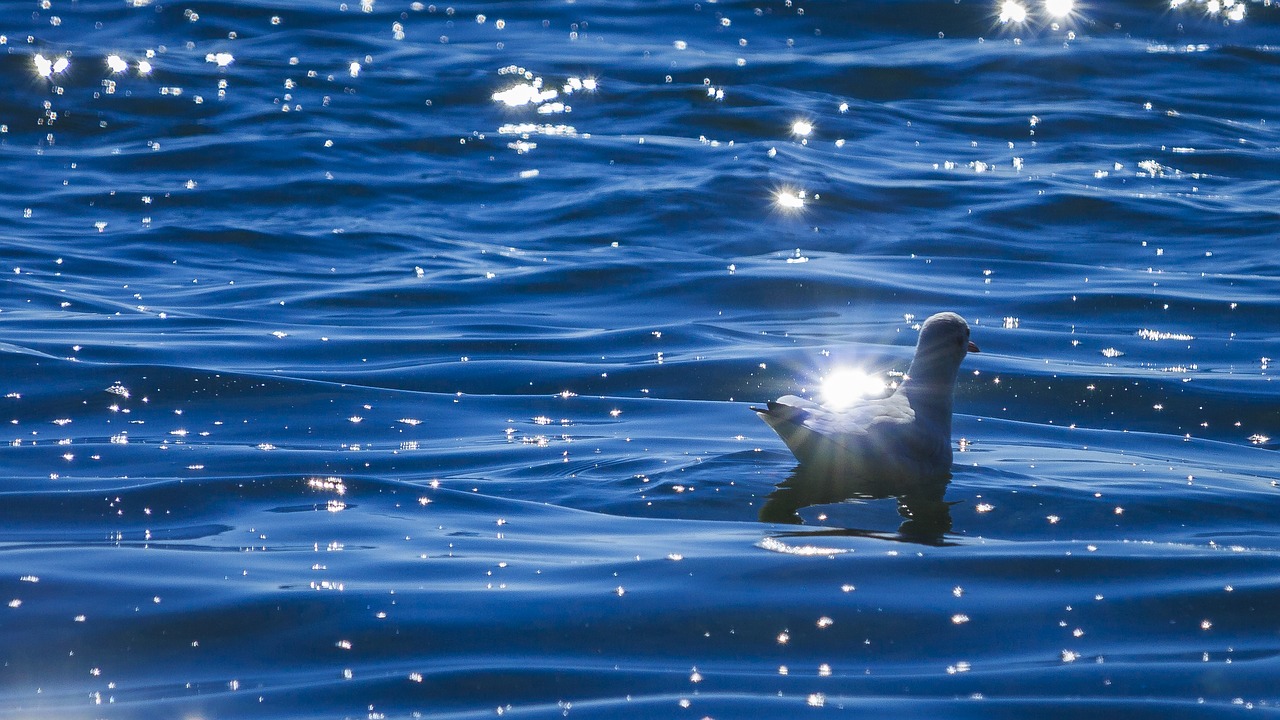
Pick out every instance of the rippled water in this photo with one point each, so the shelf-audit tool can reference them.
(380, 359)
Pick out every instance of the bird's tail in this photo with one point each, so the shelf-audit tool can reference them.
(781, 412)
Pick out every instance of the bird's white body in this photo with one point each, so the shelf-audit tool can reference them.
(900, 440)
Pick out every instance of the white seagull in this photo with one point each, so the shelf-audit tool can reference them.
(896, 442)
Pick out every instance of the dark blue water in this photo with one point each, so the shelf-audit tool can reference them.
(349, 372)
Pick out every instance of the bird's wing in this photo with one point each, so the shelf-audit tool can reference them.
(876, 416)
(790, 407)
(871, 426)
(789, 417)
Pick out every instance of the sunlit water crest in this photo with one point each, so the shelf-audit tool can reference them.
(394, 359)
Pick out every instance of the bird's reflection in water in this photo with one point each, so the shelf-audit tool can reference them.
(926, 516)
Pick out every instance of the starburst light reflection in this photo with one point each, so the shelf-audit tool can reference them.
(1012, 11)
(1059, 8)
(846, 386)
(789, 199)
(46, 68)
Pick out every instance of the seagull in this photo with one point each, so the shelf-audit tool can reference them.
(889, 445)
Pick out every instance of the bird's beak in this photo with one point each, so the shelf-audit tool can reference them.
(973, 348)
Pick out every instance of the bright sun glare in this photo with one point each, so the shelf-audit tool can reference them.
(844, 387)
(790, 200)
(1012, 11)
(1059, 8)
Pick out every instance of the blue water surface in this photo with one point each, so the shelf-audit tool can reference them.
(383, 359)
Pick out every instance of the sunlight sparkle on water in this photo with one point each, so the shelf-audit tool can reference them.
(47, 68)
(1059, 8)
(844, 387)
(576, 84)
(116, 65)
(791, 200)
(1012, 11)
(525, 94)
(801, 128)
(778, 546)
